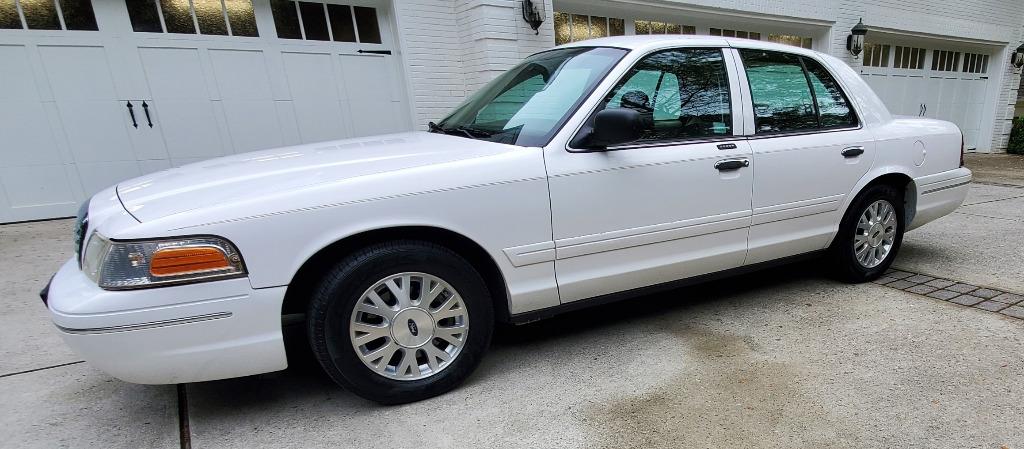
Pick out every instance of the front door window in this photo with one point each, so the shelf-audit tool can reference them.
(682, 93)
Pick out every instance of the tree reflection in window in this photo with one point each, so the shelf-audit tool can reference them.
(833, 107)
(780, 92)
(682, 94)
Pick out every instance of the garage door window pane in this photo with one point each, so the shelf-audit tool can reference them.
(366, 23)
(40, 14)
(210, 15)
(781, 95)
(78, 15)
(563, 34)
(681, 94)
(286, 20)
(144, 16)
(642, 27)
(342, 28)
(241, 18)
(9, 18)
(598, 26)
(616, 27)
(580, 27)
(178, 16)
(833, 108)
(314, 21)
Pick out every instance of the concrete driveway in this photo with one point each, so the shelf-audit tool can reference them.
(782, 358)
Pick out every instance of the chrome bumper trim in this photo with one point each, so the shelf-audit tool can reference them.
(149, 325)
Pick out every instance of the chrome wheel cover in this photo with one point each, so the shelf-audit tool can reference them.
(409, 326)
(875, 234)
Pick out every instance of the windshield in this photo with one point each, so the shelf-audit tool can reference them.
(527, 104)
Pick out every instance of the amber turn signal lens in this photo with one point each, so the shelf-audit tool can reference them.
(188, 260)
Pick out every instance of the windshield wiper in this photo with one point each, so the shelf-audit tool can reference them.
(472, 133)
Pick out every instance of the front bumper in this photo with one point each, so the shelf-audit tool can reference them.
(167, 335)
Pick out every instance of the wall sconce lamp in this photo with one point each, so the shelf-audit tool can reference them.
(1018, 58)
(855, 41)
(533, 15)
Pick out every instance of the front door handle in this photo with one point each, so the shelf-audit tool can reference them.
(853, 152)
(731, 164)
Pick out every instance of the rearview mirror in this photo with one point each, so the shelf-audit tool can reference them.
(616, 126)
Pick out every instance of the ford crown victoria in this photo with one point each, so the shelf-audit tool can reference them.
(587, 173)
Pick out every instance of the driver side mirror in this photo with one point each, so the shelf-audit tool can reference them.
(615, 127)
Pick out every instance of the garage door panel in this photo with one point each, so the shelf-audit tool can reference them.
(16, 78)
(241, 74)
(37, 190)
(96, 130)
(98, 176)
(367, 78)
(190, 129)
(174, 73)
(321, 120)
(26, 137)
(253, 124)
(311, 76)
(80, 73)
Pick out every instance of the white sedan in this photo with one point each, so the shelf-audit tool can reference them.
(587, 173)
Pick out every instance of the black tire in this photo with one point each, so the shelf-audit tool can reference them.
(329, 313)
(845, 264)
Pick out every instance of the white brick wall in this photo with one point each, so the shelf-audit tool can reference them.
(453, 47)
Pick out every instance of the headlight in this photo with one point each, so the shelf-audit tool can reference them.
(116, 265)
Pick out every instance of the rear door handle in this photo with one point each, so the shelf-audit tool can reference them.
(732, 164)
(853, 152)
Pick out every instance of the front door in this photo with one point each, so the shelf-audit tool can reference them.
(664, 207)
(809, 149)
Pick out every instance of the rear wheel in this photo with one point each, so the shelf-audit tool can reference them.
(392, 322)
(870, 234)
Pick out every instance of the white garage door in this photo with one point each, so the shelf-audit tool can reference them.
(97, 92)
(930, 81)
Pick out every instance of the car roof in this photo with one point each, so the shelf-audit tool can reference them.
(654, 42)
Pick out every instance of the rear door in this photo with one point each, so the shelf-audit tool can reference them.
(809, 151)
(664, 207)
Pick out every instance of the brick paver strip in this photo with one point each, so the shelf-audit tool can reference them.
(940, 283)
(884, 280)
(1014, 311)
(920, 278)
(990, 305)
(967, 300)
(992, 300)
(986, 293)
(900, 284)
(1009, 298)
(944, 295)
(898, 274)
(962, 288)
(920, 289)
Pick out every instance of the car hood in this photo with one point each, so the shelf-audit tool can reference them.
(250, 175)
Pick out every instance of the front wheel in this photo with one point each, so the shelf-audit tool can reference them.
(400, 322)
(870, 234)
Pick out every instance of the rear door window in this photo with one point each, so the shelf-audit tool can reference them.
(792, 93)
